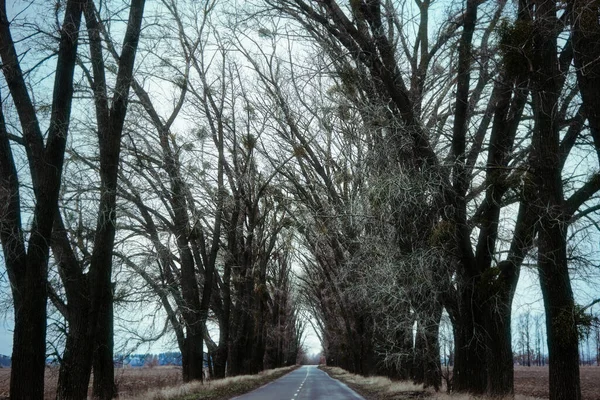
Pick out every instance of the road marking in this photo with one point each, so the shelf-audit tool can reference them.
(302, 384)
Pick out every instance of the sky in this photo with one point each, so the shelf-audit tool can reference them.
(6, 337)
(528, 295)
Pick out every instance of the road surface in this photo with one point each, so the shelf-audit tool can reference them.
(305, 383)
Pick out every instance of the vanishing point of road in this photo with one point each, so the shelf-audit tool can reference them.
(305, 383)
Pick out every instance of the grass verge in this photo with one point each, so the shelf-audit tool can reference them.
(380, 388)
(219, 389)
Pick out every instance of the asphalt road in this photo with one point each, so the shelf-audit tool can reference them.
(305, 383)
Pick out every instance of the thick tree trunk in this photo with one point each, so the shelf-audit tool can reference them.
(258, 347)
(426, 367)
(404, 366)
(235, 359)
(261, 311)
(242, 327)
(211, 364)
(192, 356)
(220, 361)
(499, 361)
(432, 365)
(470, 368)
(29, 341)
(76, 365)
(104, 370)
(561, 318)
(469, 374)
(419, 351)
(364, 332)
(560, 309)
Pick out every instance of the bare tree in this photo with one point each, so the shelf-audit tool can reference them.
(26, 253)
(89, 294)
(487, 123)
(540, 356)
(220, 212)
(524, 326)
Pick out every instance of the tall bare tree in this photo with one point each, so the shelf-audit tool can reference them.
(26, 251)
(89, 292)
(486, 123)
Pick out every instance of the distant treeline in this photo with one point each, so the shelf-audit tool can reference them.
(151, 360)
(5, 361)
(132, 360)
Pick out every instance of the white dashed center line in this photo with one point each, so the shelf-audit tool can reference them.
(302, 384)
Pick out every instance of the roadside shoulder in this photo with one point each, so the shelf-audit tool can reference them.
(382, 388)
(377, 387)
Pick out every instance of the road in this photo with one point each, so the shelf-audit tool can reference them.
(305, 383)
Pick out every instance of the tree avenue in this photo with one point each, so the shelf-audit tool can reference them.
(222, 174)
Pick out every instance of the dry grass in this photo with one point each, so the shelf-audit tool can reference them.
(376, 387)
(216, 389)
(530, 384)
(132, 382)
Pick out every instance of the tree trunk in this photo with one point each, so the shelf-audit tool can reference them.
(419, 351)
(222, 352)
(470, 369)
(220, 362)
(364, 332)
(560, 315)
(586, 46)
(258, 345)
(76, 365)
(432, 366)
(29, 340)
(561, 325)
(104, 369)
(211, 364)
(192, 356)
(500, 375)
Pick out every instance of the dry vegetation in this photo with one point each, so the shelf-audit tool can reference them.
(133, 382)
(162, 383)
(531, 383)
(221, 389)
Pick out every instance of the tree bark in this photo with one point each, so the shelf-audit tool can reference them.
(499, 356)
(561, 325)
(104, 368)
(470, 367)
(76, 365)
(432, 365)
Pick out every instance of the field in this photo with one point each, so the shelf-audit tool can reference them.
(130, 381)
(533, 381)
(529, 382)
